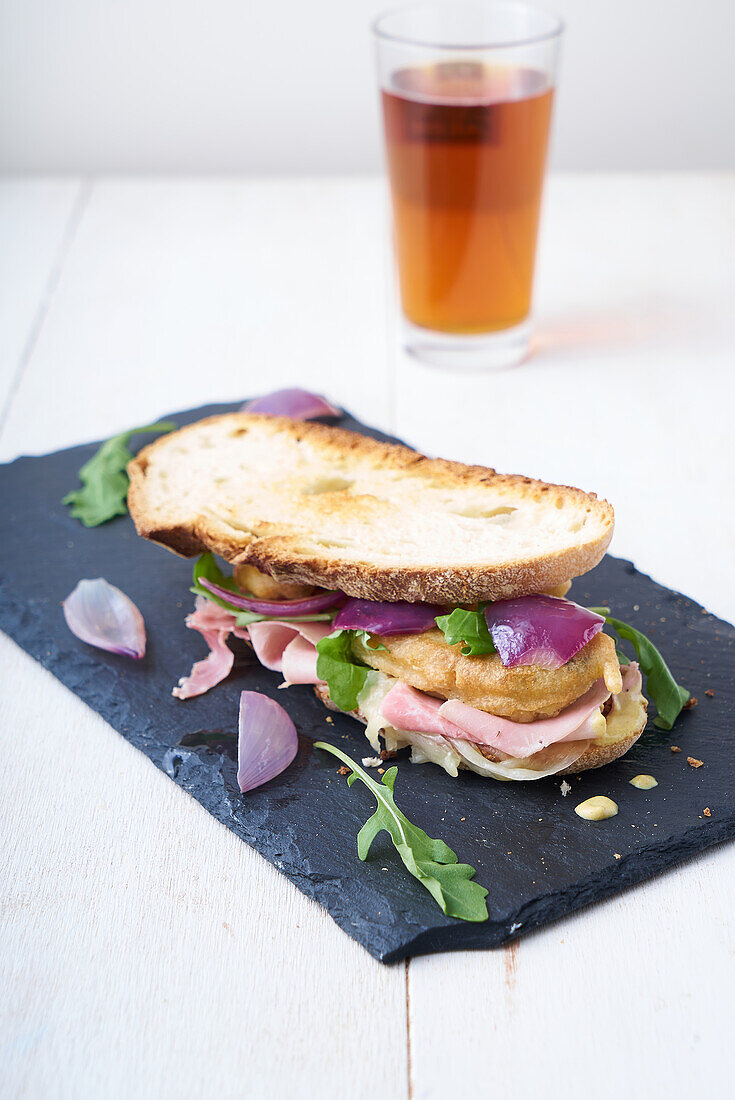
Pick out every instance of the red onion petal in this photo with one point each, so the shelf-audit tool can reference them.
(381, 617)
(296, 403)
(103, 616)
(540, 630)
(290, 608)
(267, 740)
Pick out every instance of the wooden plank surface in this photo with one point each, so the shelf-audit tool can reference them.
(38, 218)
(630, 393)
(147, 952)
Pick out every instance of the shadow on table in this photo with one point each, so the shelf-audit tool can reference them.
(624, 327)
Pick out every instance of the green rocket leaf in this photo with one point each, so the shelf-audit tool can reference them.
(104, 479)
(432, 862)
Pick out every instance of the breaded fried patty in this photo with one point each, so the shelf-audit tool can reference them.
(523, 694)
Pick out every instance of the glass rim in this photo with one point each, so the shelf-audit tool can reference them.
(528, 40)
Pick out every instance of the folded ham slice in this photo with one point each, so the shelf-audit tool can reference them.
(215, 625)
(289, 648)
(408, 709)
(522, 739)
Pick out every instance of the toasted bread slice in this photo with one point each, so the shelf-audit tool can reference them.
(321, 505)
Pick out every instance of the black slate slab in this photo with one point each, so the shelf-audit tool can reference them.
(537, 858)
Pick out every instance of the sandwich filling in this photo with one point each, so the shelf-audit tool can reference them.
(452, 733)
(454, 710)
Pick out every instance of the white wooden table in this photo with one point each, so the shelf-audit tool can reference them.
(145, 951)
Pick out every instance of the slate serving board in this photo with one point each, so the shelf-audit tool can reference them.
(536, 857)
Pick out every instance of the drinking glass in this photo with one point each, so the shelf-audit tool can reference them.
(467, 88)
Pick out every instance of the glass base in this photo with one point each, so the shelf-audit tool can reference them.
(488, 351)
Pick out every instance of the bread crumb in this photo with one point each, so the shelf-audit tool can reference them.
(344, 770)
(693, 762)
(710, 692)
(675, 748)
(692, 702)
(329, 719)
(707, 812)
(617, 855)
(381, 771)
(388, 754)
(565, 788)
(371, 761)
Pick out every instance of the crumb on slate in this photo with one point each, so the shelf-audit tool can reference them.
(617, 855)
(707, 812)
(381, 771)
(388, 754)
(710, 692)
(565, 788)
(693, 762)
(692, 702)
(371, 761)
(329, 719)
(344, 770)
(675, 748)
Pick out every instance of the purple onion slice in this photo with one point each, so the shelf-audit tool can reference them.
(103, 616)
(296, 403)
(291, 609)
(267, 740)
(381, 617)
(540, 630)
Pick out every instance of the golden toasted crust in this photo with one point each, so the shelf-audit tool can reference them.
(596, 756)
(523, 694)
(324, 506)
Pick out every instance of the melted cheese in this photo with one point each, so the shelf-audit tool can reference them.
(621, 722)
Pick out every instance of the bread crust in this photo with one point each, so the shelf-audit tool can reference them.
(286, 554)
(596, 756)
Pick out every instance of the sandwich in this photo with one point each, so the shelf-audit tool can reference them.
(426, 598)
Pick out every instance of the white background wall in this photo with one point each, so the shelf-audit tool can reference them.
(288, 85)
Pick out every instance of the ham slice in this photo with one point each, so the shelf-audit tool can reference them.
(215, 625)
(522, 739)
(289, 648)
(408, 709)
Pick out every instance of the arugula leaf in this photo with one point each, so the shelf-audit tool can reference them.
(104, 479)
(206, 567)
(369, 639)
(668, 696)
(469, 627)
(432, 862)
(345, 675)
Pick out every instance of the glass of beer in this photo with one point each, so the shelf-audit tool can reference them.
(467, 88)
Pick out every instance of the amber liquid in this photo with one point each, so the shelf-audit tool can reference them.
(466, 148)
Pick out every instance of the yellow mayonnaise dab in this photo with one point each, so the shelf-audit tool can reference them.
(643, 782)
(596, 808)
